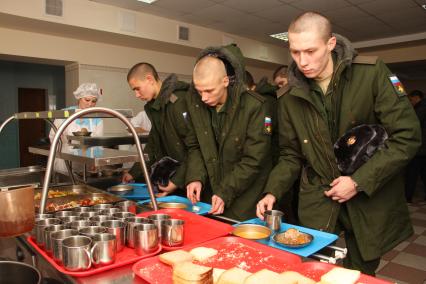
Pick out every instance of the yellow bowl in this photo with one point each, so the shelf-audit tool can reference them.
(252, 232)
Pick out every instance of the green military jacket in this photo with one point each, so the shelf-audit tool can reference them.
(238, 164)
(364, 94)
(171, 133)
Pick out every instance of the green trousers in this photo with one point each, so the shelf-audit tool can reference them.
(354, 259)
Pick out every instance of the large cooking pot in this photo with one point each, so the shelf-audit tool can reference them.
(16, 211)
(12, 272)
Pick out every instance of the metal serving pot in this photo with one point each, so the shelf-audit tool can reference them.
(13, 272)
(16, 211)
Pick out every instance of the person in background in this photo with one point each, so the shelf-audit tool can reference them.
(141, 122)
(234, 132)
(417, 166)
(332, 90)
(280, 76)
(171, 132)
(87, 95)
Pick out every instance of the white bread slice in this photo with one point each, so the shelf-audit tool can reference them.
(174, 257)
(233, 276)
(202, 253)
(293, 277)
(264, 276)
(217, 272)
(192, 272)
(339, 275)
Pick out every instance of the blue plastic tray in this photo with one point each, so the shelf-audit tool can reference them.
(321, 239)
(139, 192)
(204, 207)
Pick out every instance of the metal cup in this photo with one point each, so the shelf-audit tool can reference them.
(104, 249)
(87, 215)
(61, 214)
(82, 209)
(123, 215)
(47, 236)
(131, 223)
(98, 219)
(110, 211)
(76, 253)
(173, 232)
(92, 231)
(145, 238)
(39, 229)
(39, 217)
(102, 206)
(127, 206)
(273, 219)
(69, 219)
(77, 225)
(118, 229)
(56, 240)
(158, 220)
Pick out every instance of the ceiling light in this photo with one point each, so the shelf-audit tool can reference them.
(147, 1)
(280, 36)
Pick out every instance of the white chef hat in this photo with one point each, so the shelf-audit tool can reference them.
(87, 90)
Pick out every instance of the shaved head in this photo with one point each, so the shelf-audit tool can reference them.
(140, 70)
(311, 21)
(209, 68)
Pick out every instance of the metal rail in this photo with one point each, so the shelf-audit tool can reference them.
(61, 129)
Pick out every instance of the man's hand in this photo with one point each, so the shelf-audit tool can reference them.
(217, 205)
(342, 189)
(165, 190)
(265, 204)
(126, 178)
(193, 191)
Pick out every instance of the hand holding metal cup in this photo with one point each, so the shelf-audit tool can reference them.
(273, 219)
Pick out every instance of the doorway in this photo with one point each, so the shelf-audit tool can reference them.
(31, 131)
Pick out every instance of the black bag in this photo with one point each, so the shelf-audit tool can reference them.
(163, 170)
(358, 145)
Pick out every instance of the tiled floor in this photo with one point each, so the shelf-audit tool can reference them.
(407, 262)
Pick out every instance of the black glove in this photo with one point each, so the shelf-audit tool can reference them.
(163, 170)
(358, 145)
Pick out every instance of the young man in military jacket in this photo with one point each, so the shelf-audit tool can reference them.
(171, 133)
(233, 128)
(332, 90)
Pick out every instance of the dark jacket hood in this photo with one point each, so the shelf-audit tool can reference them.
(233, 59)
(344, 53)
(264, 88)
(169, 85)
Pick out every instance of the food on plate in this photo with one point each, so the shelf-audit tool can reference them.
(339, 275)
(264, 276)
(233, 276)
(293, 277)
(293, 237)
(54, 194)
(84, 130)
(53, 206)
(217, 272)
(202, 253)
(188, 272)
(174, 257)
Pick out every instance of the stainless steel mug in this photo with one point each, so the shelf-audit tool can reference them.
(82, 209)
(61, 214)
(87, 215)
(158, 220)
(39, 217)
(39, 228)
(273, 219)
(47, 236)
(118, 229)
(70, 219)
(92, 231)
(56, 240)
(102, 206)
(145, 238)
(104, 249)
(127, 206)
(123, 215)
(77, 225)
(131, 222)
(97, 220)
(110, 211)
(76, 253)
(173, 232)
